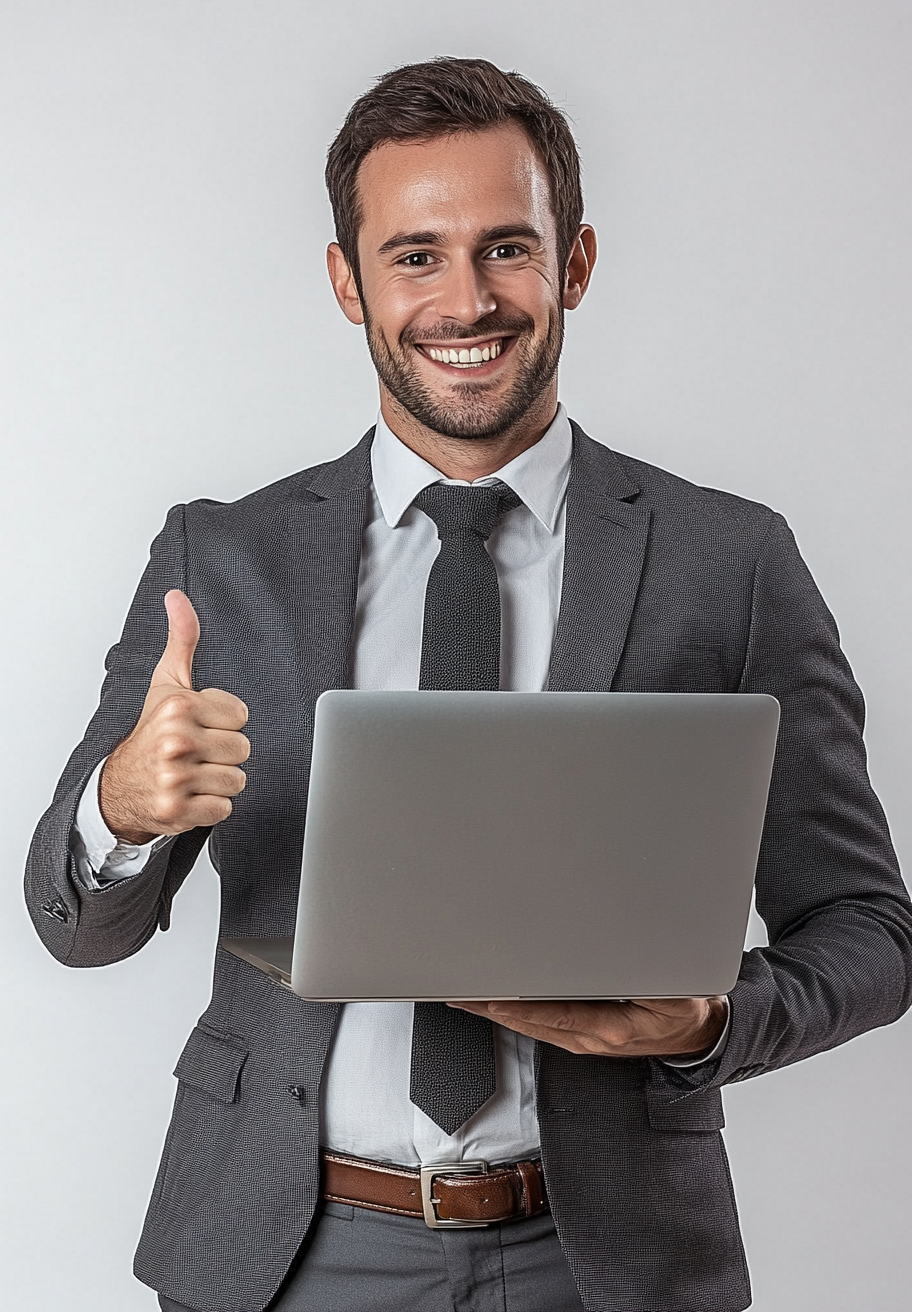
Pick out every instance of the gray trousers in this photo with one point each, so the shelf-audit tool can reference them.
(355, 1260)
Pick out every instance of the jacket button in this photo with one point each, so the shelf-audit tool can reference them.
(298, 1092)
(56, 909)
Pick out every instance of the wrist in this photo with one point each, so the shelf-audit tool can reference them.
(132, 837)
(711, 1029)
(126, 827)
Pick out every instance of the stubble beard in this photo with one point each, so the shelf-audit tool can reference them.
(470, 411)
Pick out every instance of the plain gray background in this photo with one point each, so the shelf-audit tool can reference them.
(168, 332)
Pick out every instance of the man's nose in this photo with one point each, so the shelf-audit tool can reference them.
(464, 294)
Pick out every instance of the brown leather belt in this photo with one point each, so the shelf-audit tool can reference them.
(442, 1194)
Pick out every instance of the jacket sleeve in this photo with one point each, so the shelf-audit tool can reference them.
(838, 917)
(79, 926)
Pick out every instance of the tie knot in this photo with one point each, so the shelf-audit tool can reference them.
(460, 510)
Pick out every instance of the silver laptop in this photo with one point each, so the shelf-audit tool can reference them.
(488, 845)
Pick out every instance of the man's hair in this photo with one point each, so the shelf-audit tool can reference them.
(444, 96)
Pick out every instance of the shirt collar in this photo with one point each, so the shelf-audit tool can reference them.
(539, 476)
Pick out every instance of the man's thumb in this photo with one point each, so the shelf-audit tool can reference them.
(176, 664)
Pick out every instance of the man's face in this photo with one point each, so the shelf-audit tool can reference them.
(461, 287)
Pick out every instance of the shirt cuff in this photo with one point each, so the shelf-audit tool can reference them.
(100, 858)
(715, 1051)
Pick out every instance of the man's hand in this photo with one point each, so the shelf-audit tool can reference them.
(179, 767)
(648, 1027)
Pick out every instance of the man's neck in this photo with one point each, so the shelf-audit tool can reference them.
(470, 458)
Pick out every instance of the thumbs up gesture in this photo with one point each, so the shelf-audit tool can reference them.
(179, 767)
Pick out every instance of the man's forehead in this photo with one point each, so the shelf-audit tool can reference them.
(483, 179)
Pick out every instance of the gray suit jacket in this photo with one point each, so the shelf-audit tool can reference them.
(667, 587)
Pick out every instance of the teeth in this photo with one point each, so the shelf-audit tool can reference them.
(463, 356)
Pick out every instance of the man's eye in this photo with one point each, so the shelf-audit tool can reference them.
(417, 259)
(506, 251)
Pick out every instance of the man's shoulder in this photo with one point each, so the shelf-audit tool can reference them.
(667, 495)
(346, 474)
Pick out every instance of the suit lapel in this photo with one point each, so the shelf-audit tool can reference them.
(604, 551)
(606, 537)
(330, 551)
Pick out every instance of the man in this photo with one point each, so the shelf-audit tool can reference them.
(458, 212)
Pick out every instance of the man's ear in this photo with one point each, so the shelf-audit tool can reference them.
(579, 267)
(343, 283)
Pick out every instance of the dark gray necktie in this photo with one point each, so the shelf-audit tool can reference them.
(452, 1071)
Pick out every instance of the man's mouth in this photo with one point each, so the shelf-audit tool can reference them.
(466, 357)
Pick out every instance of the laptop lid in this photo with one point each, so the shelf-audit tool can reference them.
(489, 845)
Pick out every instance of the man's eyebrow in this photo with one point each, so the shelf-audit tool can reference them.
(503, 233)
(410, 239)
(511, 230)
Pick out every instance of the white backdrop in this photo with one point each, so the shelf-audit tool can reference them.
(167, 332)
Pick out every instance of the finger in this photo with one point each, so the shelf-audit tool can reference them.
(577, 1026)
(574, 1025)
(572, 1042)
(666, 1015)
(667, 1006)
(180, 786)
(554, 1015)
(217, 709)
(176, 664)
(661, 1004)
(559, 1014)
(217, 781)
(222, 747)
(176, 813)
(203, 810)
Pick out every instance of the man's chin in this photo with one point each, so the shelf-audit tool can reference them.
(467, 418)
(468, 428)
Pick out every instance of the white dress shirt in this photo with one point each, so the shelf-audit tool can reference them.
(365, 1104)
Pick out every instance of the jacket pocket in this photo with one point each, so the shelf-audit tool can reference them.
(696, 1112)
(213, 1063)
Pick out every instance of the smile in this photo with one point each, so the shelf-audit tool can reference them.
(466, 357)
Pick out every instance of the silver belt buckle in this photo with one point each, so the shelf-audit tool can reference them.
(429, 1202)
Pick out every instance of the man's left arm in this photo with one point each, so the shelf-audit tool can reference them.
(839, 920)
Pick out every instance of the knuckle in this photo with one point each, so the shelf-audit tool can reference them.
(166, 810)
(173, 707)
(172, 786)
(174, 744)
